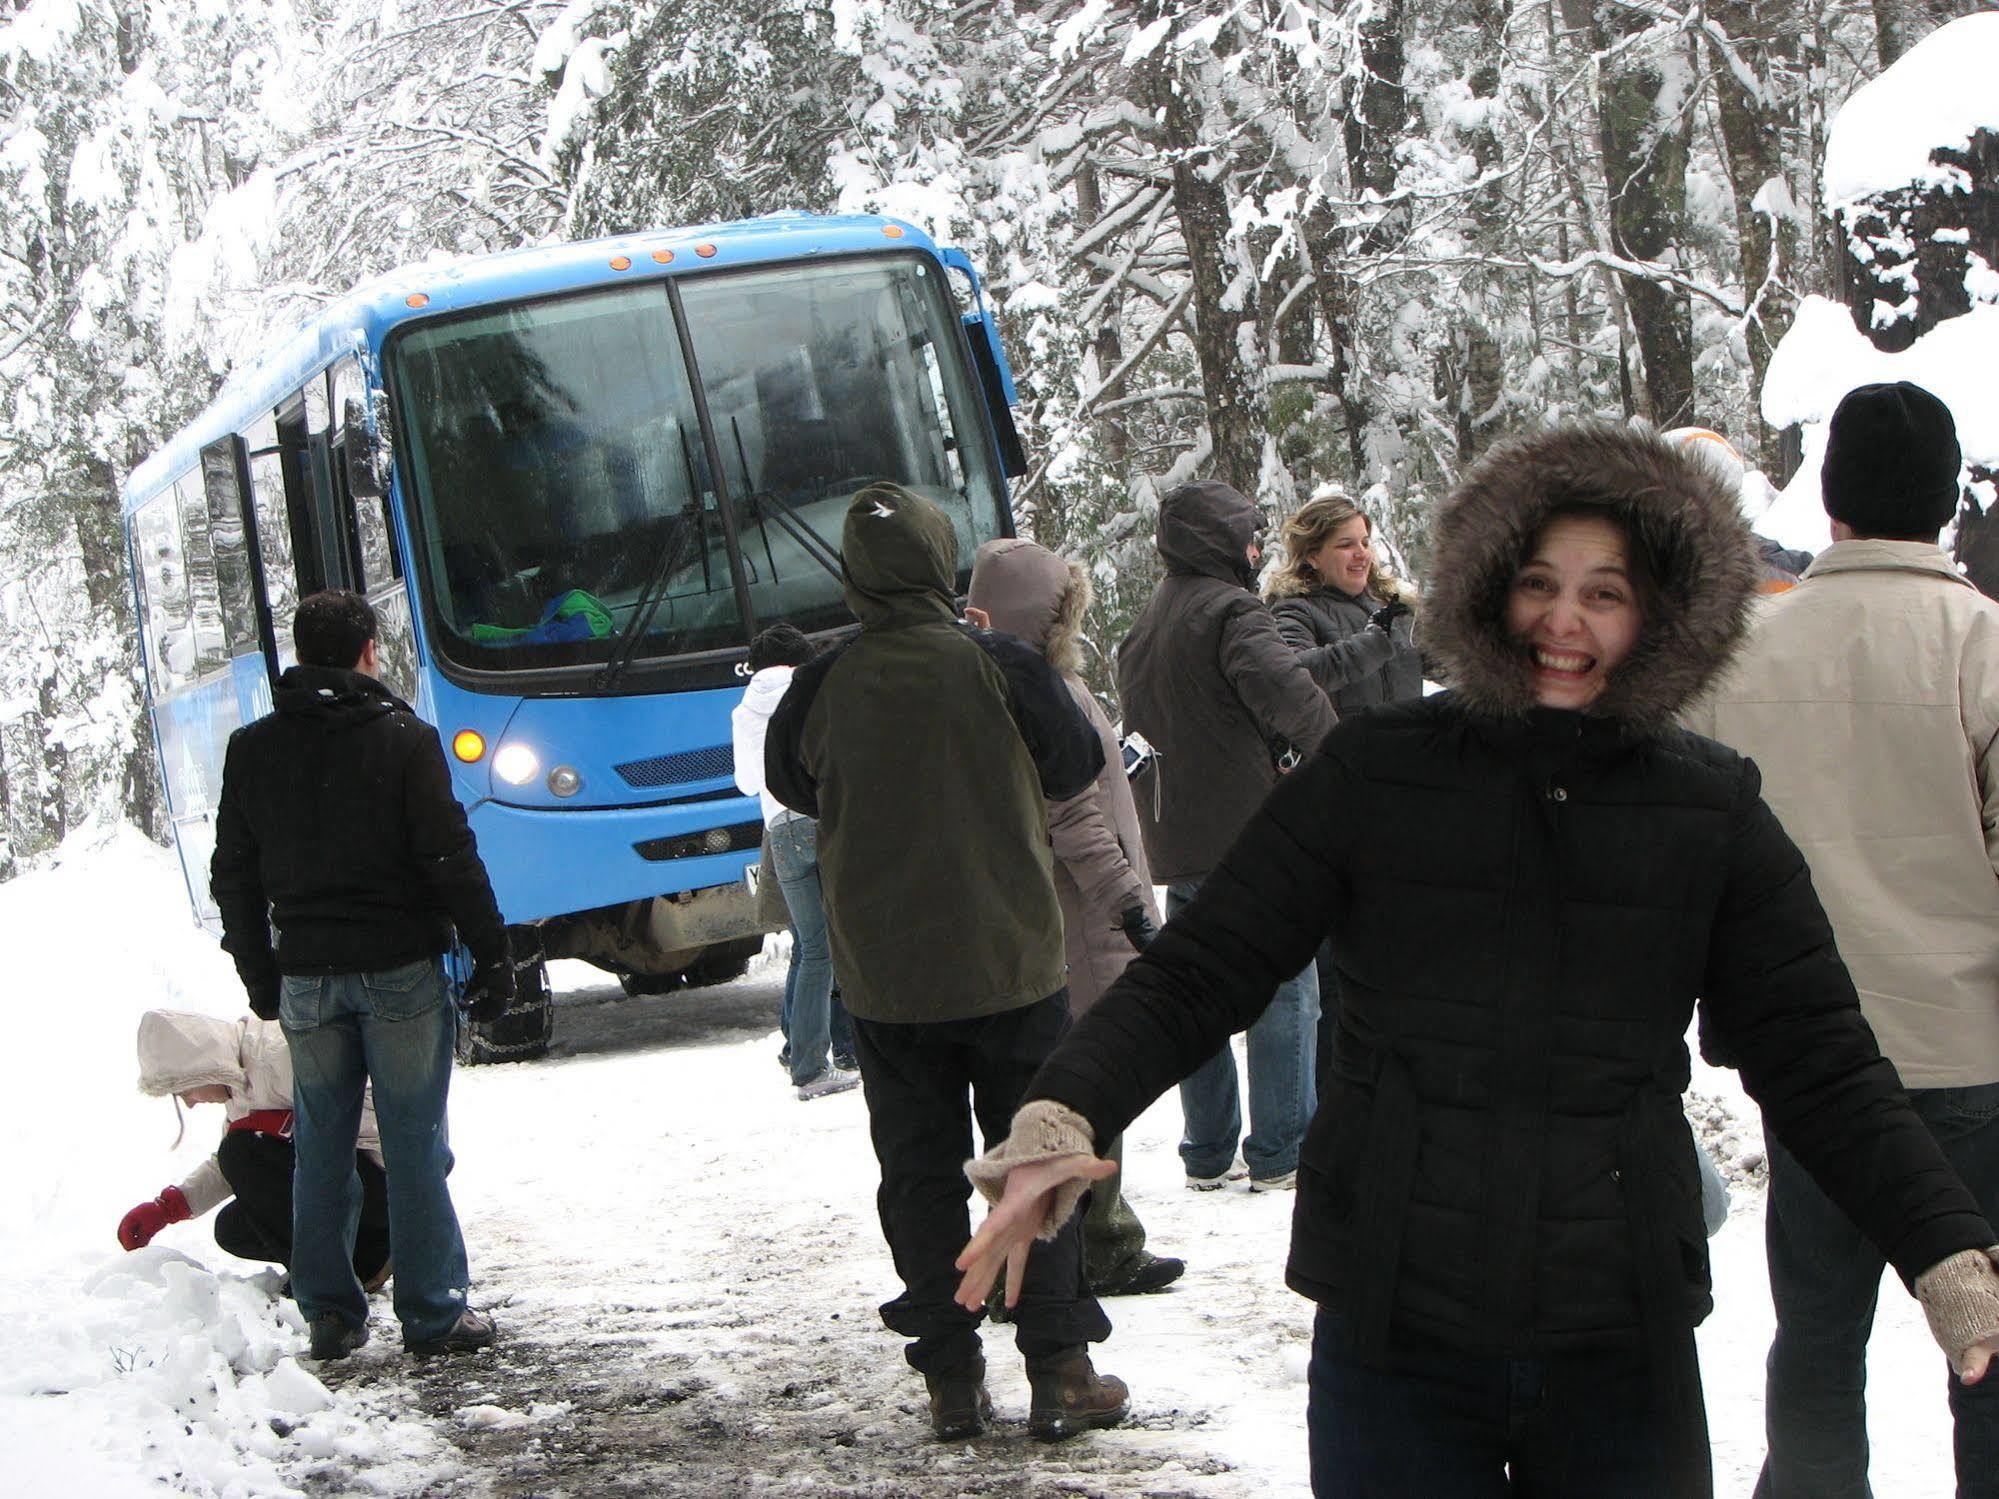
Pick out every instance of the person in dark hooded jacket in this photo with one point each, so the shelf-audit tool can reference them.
(1207, 679)
(337, 826)
(925, 748)
(1529, 879)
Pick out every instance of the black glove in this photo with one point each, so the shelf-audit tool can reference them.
(1387, 614)
(488, 992)
(1137, 927)
(264, 999)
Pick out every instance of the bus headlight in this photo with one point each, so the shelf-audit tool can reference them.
(516, 764)
(564, 781)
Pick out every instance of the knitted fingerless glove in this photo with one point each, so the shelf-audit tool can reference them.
(1042, 1131)
(1960, 1296)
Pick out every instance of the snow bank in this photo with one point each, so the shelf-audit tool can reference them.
(1937, 94)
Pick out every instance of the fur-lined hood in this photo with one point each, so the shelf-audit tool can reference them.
(1680, 513)
(1029, 592)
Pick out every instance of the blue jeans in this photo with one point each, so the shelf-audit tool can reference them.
(1824, 1278)
(395, 1029)
(1435, 1422)
(808, 984)
(1282, 1092)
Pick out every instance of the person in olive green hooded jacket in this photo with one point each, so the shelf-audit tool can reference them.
(927, 750)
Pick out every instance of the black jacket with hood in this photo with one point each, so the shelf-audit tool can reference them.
(1207, 679)
(925, 748)
(1525, 904)
(337, 827)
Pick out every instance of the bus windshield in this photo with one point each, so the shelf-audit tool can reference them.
(559, 479)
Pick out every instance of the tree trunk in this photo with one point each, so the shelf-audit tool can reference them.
(1644, 133)
(1104, 350)
(1900, 24)
(1237, 420)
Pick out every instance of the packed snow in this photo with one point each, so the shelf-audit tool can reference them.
(684, 1263)
(1938, 93)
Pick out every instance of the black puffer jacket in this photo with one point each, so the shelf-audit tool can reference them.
(1206, 678)
(337, 826)
(1525, 904)
(1359, 664)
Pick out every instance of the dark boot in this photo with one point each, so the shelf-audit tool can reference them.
(959, 1404)
(1143, 1275)
(1067, 1396)
(334, 1337)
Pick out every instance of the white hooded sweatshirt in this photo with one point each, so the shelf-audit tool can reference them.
(179, 1050)
(750, 720)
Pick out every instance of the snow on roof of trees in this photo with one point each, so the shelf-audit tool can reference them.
(1939, 93)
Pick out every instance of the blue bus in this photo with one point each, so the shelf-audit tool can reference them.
(573, 481)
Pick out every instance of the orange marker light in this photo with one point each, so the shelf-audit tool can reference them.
(664, 257)
(893, 231)
(621, 262)
(704, 251)
(468, 745)
(416, 299)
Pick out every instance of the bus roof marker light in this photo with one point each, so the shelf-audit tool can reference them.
(705, 251)
(664, 257)
(417, 299)
(621, 262)
(892, 231)
(468, 745)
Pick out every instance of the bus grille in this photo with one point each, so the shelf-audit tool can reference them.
(674, 770)
(726, 840)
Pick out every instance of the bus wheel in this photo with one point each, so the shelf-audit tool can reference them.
(636, 984)
(522, 1033)
(723, 961)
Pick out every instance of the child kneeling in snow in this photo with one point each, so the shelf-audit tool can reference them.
(245, 1066)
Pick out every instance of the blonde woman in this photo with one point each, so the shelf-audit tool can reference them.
(1347, 619)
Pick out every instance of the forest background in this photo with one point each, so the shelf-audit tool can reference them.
(1280, 242)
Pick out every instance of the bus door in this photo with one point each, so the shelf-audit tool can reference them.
(197, 617)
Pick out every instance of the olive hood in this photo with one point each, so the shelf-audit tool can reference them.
(900, 559)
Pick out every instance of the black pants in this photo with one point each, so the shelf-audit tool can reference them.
(257, 1223)
(925, 1084)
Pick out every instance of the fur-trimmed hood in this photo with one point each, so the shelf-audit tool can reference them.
(1680, 513)
(1031, 593)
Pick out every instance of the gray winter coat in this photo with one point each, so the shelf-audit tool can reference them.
(1205, 676)
(1100, 867)
(1359, 665)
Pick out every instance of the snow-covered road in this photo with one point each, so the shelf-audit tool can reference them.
(684, 1262)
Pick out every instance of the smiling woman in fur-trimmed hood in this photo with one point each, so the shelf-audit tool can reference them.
(1529, 881)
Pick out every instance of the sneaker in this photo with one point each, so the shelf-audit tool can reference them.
(784, 1056)
(846, 1061)
(1286, 1182)
(959, 1404)
(1142, 1275)
(1236, 1172)
(832, 1080)
(1066, 1396)
(471, 1332)
(334, 1337)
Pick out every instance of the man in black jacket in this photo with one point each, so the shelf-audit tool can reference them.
(925, 748)
(337, 827)
(1206, 677)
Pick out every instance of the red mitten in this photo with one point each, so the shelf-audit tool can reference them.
(136, 1228)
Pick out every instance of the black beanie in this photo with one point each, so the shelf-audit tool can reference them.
(1891, 462)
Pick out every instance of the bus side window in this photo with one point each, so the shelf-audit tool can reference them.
(211, 650)
(270, 498)
(163, 579)
(232, 546)
(367, 517)
(294, 448)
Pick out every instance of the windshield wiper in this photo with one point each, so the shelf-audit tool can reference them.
(666, 562)
(815, 546)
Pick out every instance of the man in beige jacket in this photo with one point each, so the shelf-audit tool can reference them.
(1869, 696)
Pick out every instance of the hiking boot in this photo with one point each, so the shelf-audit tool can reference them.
(334, 1337)
(1141, 1275)
(959, 1404)
(829, 1082)
(1066, 1396)
(468, 1334)
(1284, 1182)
